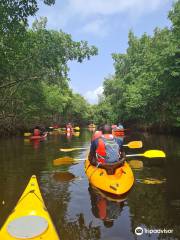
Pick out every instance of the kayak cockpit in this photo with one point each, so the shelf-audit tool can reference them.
(27, 227)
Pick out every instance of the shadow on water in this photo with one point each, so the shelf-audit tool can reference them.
(82, 212)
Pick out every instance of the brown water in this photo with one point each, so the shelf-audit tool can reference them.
(82, 212)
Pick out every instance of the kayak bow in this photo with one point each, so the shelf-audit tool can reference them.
(30, 218)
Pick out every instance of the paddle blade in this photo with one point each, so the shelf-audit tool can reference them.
(77, 128)
(27, 134)
(149, 154)
(134, 144)
(154, 154)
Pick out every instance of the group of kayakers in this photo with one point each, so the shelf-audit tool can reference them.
(40, 131)
(69, 128)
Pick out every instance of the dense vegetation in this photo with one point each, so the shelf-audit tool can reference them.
(34, 83)
(145, 89)
(34, 72)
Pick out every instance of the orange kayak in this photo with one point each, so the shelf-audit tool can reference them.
(118, 183)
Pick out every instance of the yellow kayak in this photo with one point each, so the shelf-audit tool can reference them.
(28, 134)
(77, 128)
(30, 218)
(118, 183)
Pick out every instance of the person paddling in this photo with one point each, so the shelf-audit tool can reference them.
(105, 149)
(36, 131)
(69, 127)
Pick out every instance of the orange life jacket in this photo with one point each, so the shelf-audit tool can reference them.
(101, 150)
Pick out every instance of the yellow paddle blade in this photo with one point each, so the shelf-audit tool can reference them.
(77, 128)
(27, 134)
(134, 144)
(150, 154)
(154, 154)
(66, 160)
(70, 149)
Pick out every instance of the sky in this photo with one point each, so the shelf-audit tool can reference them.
(105, 24)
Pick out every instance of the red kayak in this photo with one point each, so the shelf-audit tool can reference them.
(39, 137)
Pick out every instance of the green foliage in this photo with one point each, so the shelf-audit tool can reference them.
(77, 110)
(146, 88)
(103, 113)
(33, 68)
(14, 13)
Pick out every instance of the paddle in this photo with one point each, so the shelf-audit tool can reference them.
(133, 144)
(150, 154)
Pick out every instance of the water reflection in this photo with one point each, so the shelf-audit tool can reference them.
(79, 230)
(136, 164)
(79, 212)
(63, 176)
(76, 134)
(105, 207)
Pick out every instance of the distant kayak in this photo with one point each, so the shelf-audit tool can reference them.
(27, 134)
(76, 128)
(30, 218)
(39, 137)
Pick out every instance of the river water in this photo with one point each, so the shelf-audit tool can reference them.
(81, 212)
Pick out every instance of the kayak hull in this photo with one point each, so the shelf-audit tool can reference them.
(117, 184)
(30, 205)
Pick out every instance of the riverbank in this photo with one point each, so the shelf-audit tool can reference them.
(157, 129)
(7, 132)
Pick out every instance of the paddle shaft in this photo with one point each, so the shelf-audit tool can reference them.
(134, 155)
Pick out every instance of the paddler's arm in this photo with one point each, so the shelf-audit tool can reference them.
(92, 152)
(121, 149)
